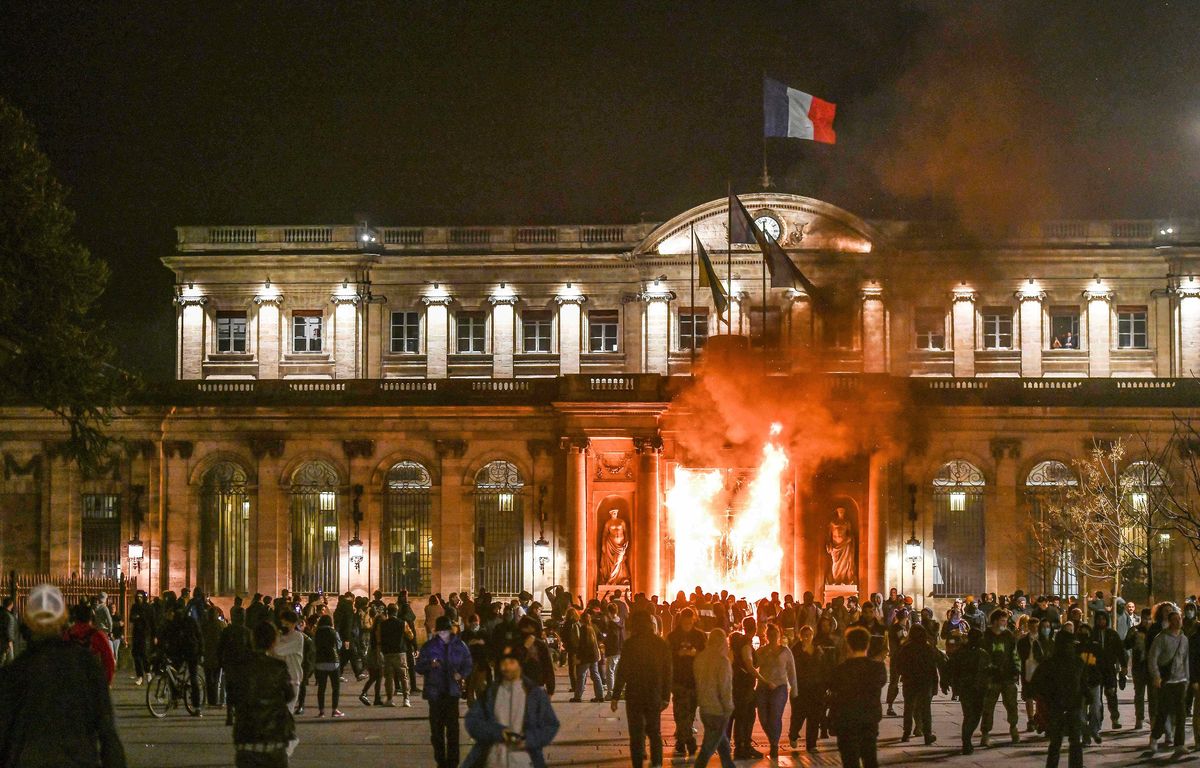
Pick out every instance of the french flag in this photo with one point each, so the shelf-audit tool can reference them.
(793, 114)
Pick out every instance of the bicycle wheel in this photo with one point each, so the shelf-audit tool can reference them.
(159, 696)
(185, 687)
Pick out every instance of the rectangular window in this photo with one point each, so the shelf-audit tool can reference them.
(930, 325)
(1131, 328)
(603, 329)
(471, 332)
(693, 328)
(1064, 328)
(101, 534)
(769, 338)
(997, 329)
(406, 332)
(306, 330)
(838, 329)
(231, 332)
(537, 330)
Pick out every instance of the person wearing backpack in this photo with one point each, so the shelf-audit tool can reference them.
(970, 672)
(84, 633)
(1167, 661)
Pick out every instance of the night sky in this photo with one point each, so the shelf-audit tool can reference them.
(167, 113)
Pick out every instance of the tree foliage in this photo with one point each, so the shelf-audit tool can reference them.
(53, 352)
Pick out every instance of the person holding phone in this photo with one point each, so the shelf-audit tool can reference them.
(513, 722)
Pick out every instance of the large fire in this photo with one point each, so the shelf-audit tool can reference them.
(726, 533)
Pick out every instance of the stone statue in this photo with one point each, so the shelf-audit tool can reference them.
(841, 544)
(614, 550)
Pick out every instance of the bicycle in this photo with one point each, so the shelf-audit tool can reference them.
(171, 684)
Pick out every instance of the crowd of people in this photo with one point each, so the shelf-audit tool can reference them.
(806, 672)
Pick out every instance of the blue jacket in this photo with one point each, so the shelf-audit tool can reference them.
(454, 657)
(540, 725)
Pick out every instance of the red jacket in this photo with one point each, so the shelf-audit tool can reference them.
(95, 641)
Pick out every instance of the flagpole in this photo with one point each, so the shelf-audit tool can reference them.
(692, 288)
(729, 255)
(766, 177)
(764, 300)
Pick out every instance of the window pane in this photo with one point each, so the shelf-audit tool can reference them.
(537, 332)
(997, 329)
(1131, 328)
(693, 325)
(931, 329)
(603, 328)
(471, 326)
(1064, 329)
(101, 536)
(306, 333)
(406, 332)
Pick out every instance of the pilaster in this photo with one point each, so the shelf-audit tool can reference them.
(570, 307)
(503, 331)
(963, 330)
(874, 329)
(1099, 329)
(437, 332)
(1030, 318)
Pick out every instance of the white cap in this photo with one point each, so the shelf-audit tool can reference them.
(45, 607)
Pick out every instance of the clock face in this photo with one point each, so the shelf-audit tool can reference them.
(769, 225)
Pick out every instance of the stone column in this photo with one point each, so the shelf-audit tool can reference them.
(358, 455)
(578, 579)
(877, 525)
(874, 330)
(271, 521)
(1189, 327)
(437, 332)
(345, 336)
(739, 323)
(1000, 504)
(65, 519)
(503, 330)
(454, 555)
(179, 568)
(569, 308)
(963, 330)
(647, 535)
(655, 331)
(1099, 330)
(269, 348)
(191, 336)
(1030, 317)
(799, 329)
(632, 330)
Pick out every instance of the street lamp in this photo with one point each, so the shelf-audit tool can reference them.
(356, 552)
(136, 552)
(541, 550)
(912, 547)
(355, 545)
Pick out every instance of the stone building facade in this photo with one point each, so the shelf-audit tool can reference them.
(443, 408)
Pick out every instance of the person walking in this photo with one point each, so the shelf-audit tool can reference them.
(328, 665)
(1112, 659)
(812, 686)
(373, 656)
(587, 658)
(776, 677)
(713, 674)
(644, 678)
(1057, 686)
(394, 643)
(289, 648)
(513, 722)
(445, 663)
(1167, 662)
(55, 708)
(1001, 646)
(855, 709)
(970, 673)
(261, 692)
(614, 640)
(210, 637)
(686, 641)
(745, 677)
(141, 636)
(1137, 646)
(916, 664)
(84, 633)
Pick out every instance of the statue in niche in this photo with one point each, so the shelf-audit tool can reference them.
(841, 544)
(614, 550)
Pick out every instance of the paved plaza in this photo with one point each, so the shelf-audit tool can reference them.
(591, 734)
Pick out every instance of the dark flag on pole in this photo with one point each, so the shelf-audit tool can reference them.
(784, 272)
(708, 278)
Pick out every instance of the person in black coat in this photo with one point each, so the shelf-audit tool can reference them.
(916, 663)
(644, 677)
(1057, 686)
(263, 729)
(141, 635)
(812, 687)
(855, 710)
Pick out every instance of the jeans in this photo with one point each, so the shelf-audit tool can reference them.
(610, 670)
(743, 719)
(1064, 723)
(893, 685)
(917, 711)
(1170, 705)
(1114, 713)
(1006, 691)
(193, 669)
(683, 708)
(584, 669)
(972, 711)
(715, 741)
(443, 731)
(330, 676)
(395, 674)
(644, 723)
(807, 712)
(1139, 696)
(770, 711)
(116, 646)
(856, 745)
(1091, 716)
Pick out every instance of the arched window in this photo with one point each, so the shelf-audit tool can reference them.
(407, 530)
(224, 530)
(1051, 565)
(499, 528)
(958, 529)
(315, 542)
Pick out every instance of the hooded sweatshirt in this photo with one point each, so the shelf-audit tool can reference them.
(714, 680)
(290, 649)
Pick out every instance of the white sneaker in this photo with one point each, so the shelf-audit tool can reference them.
(407, 703)
(138, 681)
